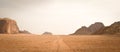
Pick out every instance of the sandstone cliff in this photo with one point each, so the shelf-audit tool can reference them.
(8, 26)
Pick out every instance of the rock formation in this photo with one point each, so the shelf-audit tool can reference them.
(112, 29)
(82, 30)
(24, 32)
(91, 29)
(8, 26)
(95, 27)
(47, 33)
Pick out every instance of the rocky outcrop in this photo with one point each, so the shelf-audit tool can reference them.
(8, 26)
(82, 30)
(24, 32)
(96, 27)
(112, 29)
(47, 33)
(89, 30)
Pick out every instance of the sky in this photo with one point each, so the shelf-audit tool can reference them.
(59, 16)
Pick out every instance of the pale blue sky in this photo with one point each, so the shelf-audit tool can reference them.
(59, 16)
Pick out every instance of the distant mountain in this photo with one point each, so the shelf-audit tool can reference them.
(82, 30)
(89, 30)
(112, 29)
(96, 27)
(8, 26)
(47, 33)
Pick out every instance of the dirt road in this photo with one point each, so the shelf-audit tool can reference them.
(60, 46)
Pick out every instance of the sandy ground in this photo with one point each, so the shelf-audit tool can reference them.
(49, 43)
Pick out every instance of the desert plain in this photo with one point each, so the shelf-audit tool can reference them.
(59, 43)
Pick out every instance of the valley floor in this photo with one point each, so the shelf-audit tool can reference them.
(59, 43)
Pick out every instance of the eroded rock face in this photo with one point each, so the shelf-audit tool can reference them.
(82, 30)
(89, 30)
(112, 29)
(8, 26)
(95, 27)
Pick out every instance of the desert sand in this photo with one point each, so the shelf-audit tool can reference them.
(59, 43)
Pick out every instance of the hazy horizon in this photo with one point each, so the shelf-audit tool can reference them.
(59, 16)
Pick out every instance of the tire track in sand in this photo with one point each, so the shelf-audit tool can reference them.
(60, 46)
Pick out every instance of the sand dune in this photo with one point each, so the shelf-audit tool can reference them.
(49, 43)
